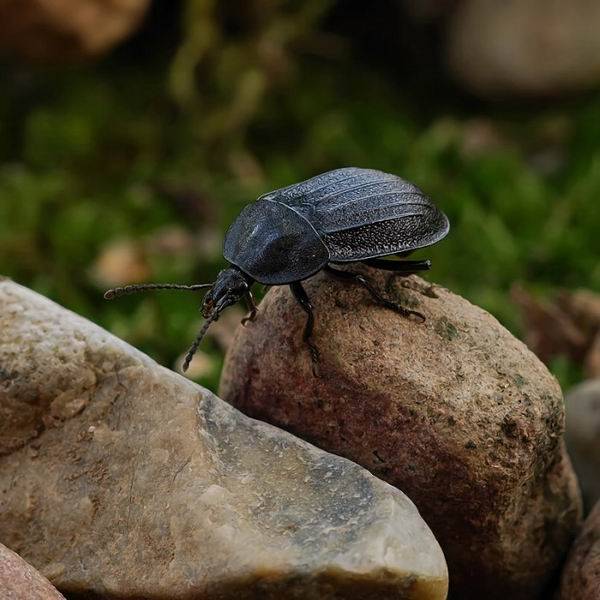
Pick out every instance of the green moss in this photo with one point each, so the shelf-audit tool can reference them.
(445, 329)
(92, 155)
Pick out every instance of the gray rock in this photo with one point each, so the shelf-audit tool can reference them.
(455, 412)
(122, 479)
(581, 576)
(583, 437)
(525, 48)
(20, 581)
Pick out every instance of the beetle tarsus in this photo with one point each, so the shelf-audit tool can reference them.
(301, 296)
(358, 278)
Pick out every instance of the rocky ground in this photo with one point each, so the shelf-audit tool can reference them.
(120, 479)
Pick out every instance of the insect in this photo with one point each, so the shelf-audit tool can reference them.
(348, 215)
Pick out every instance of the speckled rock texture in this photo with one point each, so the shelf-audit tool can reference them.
(525, 47)
(581, 576)
(583, 437)
(455, 412)
(20, 581)
(120, 479)
(59, 30)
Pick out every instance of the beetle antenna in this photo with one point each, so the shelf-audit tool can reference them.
(132, 289)
(197, 341)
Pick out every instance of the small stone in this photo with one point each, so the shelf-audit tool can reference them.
(455, 412)
(20, 581)
(583, 437)
(59, 30)
(581, 575)
(157, 488)
(525, 48)
(121, 262)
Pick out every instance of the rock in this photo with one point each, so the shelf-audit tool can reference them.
(567, 325)
(456, 412)
(57, 30)
(120, 479)
(20, 581)
(581, 575)
(121, 262)
(525, 48)
(583, 437)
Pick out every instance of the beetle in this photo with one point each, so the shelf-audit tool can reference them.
(348, 215)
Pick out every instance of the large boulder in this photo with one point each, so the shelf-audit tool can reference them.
(581, 576)
(20, 581)
(454, 411)
(583, 437)
(525, 47)
(120, 479)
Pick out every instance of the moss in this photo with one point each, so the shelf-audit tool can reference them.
(445, 329)
(101, 152)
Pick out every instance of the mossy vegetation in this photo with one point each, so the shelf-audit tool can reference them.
(128, 148)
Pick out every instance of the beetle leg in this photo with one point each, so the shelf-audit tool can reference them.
(302, 298)
(360, 279)
(399, 266)
(251, 305)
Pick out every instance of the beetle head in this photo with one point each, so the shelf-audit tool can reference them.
(231, 284)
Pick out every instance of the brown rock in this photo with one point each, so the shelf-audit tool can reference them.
(567, 325)
(583, 437)
(456, 412)
(525, 48)
(20, 581)
(121, 480)
(55, 30)
(581, 576)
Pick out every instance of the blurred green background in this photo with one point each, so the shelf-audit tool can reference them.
(130, 166)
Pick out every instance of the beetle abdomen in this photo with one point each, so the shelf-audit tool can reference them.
(391, 236)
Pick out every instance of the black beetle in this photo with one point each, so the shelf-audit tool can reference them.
(342, 216)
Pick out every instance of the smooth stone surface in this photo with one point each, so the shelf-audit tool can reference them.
(581, 575)
(525, 48)
(456, 412)
(20, 581)
(583, 437)
(123, 479)
(58, 30)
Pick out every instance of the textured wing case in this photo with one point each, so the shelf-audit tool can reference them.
(363, 213)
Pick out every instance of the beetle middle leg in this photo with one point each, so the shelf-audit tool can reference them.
(360, 279)
(300, 294)
(251, 306)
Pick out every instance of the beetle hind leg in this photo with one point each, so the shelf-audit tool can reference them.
(402, 267)
(361, 280)
(302, 298)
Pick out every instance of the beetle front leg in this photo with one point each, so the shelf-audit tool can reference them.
(251, 306)
(360, 279)
(300, 294)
